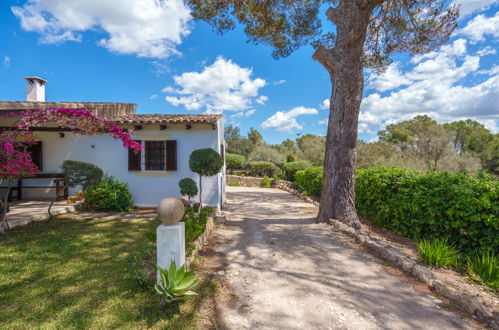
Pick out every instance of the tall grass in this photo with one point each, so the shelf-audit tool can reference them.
(484, 267)
(438, 252)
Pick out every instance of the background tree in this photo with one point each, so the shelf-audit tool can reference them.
(266, 153)
(255, 137)
(188, 188)
(367, 32)
(205, 162)
(237, 144)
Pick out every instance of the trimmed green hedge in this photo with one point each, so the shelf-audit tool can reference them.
(431, 205)
(292, 167)
(262, 169)
(309, 181)
(235, 161)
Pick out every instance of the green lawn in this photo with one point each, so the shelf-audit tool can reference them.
(76, 274)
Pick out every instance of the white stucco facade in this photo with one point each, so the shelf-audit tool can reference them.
(147, 187)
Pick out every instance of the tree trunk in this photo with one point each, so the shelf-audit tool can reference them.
(200, 195)
(49, 210)
(5, 224)
(344, 64)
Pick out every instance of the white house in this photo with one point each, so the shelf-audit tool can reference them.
(168, 141)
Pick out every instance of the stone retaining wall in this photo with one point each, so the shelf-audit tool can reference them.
(249, 181)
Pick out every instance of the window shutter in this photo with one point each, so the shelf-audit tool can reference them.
(134, 159)
(36, 154)
(171, 155)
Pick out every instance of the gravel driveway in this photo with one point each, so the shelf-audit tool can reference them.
(288, 273)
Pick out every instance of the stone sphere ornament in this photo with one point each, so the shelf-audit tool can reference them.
(171, 210)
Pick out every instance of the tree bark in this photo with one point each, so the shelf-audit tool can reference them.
(347, 78)
(49, 210)
(5, 224)
(200, 195)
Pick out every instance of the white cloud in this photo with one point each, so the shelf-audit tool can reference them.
(390, 79)
(286, 121)
(470, 6)
(153, 96)
(262, 99)
(486, 51)
(146, 28)
(279, 82)
(440, 89)
(241, 114)
(222, 86)
(480, 26)
(6, 61)
(323, 122)
(325, 105)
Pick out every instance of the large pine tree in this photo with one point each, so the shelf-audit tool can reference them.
(361, 33)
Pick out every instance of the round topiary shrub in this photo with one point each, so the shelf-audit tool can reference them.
(262, 169)
(205, 162)
(292, 167)
(188, 188)
(109, 195)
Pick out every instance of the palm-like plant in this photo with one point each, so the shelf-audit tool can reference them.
(175, 283)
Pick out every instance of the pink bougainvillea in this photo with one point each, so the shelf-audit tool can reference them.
(15, 161)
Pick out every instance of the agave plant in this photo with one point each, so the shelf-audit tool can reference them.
(175, 283)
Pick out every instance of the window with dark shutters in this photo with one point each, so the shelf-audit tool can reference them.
(155, 157)
(36, 154)
(134, 159)
(171, 155)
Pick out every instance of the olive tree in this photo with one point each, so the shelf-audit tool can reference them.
(366, 32)
(77, 173)
(205, 162)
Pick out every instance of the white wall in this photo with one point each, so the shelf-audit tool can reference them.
(147, 188)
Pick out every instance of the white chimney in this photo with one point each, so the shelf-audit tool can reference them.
(35, 89)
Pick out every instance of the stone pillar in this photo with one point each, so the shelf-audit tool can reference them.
(170, 241)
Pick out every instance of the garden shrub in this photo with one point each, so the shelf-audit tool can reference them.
(234, 161)
(309, 181)
(82, 174)
(418, 205)
(188, 188)
(266, 182)
(109, 195)
(292, 167)
(437, 252)
(195, 225)
(484, 267)
(262, 168)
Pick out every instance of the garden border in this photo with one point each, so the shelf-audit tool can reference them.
(200, 242)
(463, 299)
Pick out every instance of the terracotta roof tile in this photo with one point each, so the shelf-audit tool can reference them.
(166, 119)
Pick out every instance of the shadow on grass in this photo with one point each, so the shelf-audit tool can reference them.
(75, 273)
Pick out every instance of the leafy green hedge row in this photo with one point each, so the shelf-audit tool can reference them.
(431, 205)
(309, 181)
(457, 206)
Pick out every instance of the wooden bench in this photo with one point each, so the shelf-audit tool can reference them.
(58, 180)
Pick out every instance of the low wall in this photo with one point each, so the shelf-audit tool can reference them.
(249, 181)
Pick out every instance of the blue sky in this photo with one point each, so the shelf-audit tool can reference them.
(151, 53)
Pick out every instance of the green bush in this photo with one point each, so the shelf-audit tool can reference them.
(188, 188)
(83, 174)
(195, 225)
(484, 267)
(292, 167)
(266, 182)
(109, 195)
(262, 168)
(309, 181)
(437, 253)
(234, 183)
(432, 205)
(234, 161)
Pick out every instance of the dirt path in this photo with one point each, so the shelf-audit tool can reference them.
(285, 272)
